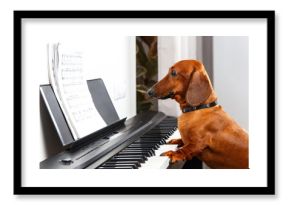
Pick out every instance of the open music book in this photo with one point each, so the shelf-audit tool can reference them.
(67, 78)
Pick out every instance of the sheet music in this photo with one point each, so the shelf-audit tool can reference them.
(66, 74)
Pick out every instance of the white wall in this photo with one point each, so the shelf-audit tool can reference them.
(110, 57)
(231, 75)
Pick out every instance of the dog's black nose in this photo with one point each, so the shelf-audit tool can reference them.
(151, 92)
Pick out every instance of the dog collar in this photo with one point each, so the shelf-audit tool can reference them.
(193, 108)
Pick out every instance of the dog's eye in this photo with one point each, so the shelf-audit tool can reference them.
(173, 73)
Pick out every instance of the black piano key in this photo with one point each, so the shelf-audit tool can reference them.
(120, 163)
(161, 132)
(160, 129)
(147, 147)
(169, 119)
(148, 136)
(119, 167)
(129, 157)
(163, 127)
(137, 152)
(144, 142)
(152, 139)
(168, 123)
(116, 167)
(158, 133)
(139, 159)
(149, 139)
(132, 155)
(144, 145)
(141, 150)
(166, 126)
(132, 166)
(147, 153)
(157, 141)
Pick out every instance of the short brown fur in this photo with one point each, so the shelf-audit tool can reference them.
(209, 134)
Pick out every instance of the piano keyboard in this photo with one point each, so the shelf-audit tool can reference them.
(144, 153)
(137, 144)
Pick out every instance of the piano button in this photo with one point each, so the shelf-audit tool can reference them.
(66, 161)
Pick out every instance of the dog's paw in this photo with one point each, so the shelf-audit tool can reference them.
(174, 156)
(179, 142)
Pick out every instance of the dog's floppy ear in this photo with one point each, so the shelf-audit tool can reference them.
(199, 88)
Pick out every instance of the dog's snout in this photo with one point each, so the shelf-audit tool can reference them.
(151, 92)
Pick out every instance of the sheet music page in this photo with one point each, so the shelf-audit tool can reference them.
(66, 74)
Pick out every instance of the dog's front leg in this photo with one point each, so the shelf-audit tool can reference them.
(186, 152)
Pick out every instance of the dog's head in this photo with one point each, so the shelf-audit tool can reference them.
(186, 79)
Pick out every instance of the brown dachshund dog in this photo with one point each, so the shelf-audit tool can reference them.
(207, 131)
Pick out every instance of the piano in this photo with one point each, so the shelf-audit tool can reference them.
(134, 143)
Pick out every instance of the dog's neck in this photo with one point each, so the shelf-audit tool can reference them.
(181, 100)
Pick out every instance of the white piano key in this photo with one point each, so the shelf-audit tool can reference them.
(161, 162)
(175, 135)
(156, 162)
(165, 148)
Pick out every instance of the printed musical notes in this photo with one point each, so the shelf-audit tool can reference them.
(66, 74)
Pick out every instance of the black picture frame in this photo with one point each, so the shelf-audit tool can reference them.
(269, 16)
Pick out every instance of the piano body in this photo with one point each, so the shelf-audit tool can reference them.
(134, 143)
